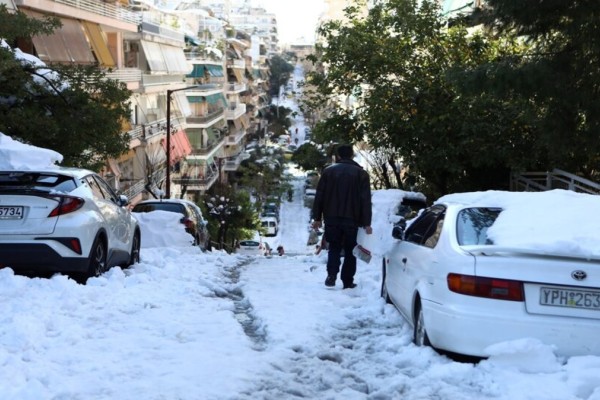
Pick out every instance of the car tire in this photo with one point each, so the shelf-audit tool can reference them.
(134, 256)
(420, 337)
(98, 258)
(384, 292)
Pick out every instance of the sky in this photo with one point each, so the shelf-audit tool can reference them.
(186, 325)
(295, 19)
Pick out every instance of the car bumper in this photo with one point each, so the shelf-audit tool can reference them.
(469, 331)
(39, 257)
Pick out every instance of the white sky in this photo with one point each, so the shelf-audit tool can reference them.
(295, 18)
(187, 325)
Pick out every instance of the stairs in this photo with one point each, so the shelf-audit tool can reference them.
(556, 179)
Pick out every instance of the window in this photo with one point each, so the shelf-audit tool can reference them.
(425, 226)
(472, 225)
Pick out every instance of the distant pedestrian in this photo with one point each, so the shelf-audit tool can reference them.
(280, 250)
(343, 201)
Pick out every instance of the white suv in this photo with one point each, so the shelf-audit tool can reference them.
(64, 220)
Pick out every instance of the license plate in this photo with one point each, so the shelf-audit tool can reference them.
(571, 298)
(11, 212)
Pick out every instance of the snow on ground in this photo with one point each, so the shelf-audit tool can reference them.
(187, 325)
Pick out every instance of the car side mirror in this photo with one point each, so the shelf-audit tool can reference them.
(398, 230)
(123, 200)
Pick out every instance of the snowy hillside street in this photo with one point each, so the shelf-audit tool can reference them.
(186, 325)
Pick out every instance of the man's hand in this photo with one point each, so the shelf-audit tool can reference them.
(369, 230)
(316, 225)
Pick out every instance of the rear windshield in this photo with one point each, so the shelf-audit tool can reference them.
(49, 182)
(176, 208)
(472, 225)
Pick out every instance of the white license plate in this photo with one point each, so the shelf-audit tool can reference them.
(11, 212)
(572, 298)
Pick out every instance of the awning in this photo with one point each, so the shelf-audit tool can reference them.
(175, 59)
(198, 71)
(245, 121)
(238, 75)
(94, 34)
(215, 70)
(114, 167)
(212, 99)
(183, 103)
(154, 56)
(192, 40)
(156, 153)
(238, 124)
(66, 44)
(180, 146)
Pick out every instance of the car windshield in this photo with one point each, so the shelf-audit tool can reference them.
(472, 225)
(36, 181)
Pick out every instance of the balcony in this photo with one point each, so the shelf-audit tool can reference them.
(235, 138)
(209, 150)
(132, 189)
(197, 184)
(235, 63)
(101, 8)
(164, 79)
(236, 87)
(205, 120)
(235, 110)
(233, 163)
(125, 75)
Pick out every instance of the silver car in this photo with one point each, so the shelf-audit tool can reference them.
(64, 220)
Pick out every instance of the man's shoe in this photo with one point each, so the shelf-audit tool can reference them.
(330, 281)
(350, 286)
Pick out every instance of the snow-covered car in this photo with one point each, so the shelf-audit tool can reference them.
(189, 214)
(64, 220)
(469, 273)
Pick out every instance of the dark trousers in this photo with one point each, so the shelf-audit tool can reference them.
(341, 235)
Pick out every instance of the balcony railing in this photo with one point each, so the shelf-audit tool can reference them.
(153, 80)
(125, 74)
(120, 13)
(202, 151)
(556, 179)
(133, 188)
(236, 63)
(197, 183)
(204, 119)
(235, 110)
(236, 87)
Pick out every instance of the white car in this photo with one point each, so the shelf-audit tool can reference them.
(269, 225)
(462, 292)
(64, 220)
(253, 248)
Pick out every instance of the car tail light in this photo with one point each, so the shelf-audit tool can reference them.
(66, 204)
(189, 224)
(72, 243)
(492, 288)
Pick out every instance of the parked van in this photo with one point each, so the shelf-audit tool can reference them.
(269, 225)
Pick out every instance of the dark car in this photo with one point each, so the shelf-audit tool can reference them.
(192, 218)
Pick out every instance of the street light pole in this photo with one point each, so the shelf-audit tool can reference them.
(168, 177)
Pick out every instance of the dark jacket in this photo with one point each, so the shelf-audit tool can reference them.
(343, 192)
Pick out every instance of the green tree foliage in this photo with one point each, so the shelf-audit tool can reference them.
(74, 110)
(280, 73)
(558, 79)
(391, 78)
(309, 157)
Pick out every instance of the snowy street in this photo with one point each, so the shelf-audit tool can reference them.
(187, 325)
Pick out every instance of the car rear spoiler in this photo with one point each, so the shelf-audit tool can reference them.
(488, 250)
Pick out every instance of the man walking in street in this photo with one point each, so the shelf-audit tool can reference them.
(343, 203)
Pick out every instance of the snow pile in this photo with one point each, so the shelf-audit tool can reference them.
(20, 156)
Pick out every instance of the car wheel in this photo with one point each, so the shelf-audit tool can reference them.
(134, 256)
(384, 292)
(420, 337)
(98, 256)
